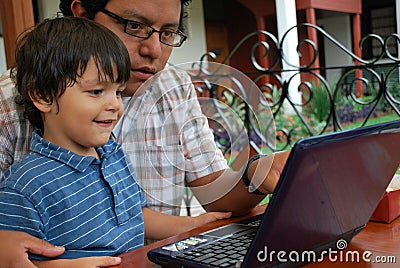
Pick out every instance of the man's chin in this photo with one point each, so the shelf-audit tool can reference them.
(133, 88)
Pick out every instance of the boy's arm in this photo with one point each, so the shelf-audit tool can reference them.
(89, 262)
(159, 226)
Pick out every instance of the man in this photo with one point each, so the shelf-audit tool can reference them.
(149, 49)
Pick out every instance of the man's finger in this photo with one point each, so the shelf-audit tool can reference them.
(26, 242)
(41, 247)
(26, 263)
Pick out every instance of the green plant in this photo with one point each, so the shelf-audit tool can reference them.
(319, 104)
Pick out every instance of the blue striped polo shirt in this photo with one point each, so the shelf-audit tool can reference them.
(91, 206)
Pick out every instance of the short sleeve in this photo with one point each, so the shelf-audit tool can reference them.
(17, 213)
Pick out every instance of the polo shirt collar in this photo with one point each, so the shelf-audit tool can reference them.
(43, 147)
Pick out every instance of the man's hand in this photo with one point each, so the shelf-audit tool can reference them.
(14, 248)
(276, 163)
(225, 190)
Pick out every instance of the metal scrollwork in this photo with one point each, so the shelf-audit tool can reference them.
(364, 90)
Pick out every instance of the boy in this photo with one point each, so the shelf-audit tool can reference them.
(76, 187)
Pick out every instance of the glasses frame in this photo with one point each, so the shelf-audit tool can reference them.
(149, 33)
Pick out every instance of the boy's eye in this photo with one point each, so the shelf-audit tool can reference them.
(95, 91)
(119, 92)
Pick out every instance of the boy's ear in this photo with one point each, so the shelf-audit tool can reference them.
(42, 105)
(77, 9)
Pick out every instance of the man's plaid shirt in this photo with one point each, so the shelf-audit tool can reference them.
(15, 130)
(168, 139)
(163, 131)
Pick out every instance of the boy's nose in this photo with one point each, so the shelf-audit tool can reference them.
(114, 103)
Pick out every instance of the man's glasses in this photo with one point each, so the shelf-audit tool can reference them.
(141, 30)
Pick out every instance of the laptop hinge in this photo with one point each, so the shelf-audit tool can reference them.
(359, 229)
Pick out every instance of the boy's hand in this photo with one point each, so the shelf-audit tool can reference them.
(210, 217)
(14, 248)
(89, 262)
(159, 226)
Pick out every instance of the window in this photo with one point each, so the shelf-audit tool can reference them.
(383, 23)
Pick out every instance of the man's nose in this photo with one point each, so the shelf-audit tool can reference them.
(151, 47)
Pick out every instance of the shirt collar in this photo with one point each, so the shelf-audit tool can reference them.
(43, 147)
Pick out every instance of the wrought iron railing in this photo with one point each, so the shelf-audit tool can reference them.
(361, 91)
(353, 97)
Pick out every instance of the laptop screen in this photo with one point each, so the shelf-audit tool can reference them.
(329, 188)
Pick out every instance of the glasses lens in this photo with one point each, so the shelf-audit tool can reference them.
(138, 29)
(171, 38)
(141, 30)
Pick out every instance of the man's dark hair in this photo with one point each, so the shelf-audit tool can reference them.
(55, 54)
(92, 7)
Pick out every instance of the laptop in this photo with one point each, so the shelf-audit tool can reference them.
(329, 188)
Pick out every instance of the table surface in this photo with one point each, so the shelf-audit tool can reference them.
(379, 241)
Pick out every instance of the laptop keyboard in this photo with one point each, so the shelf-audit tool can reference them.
(226, 252)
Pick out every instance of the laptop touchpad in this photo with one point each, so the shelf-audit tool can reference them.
(228, 229)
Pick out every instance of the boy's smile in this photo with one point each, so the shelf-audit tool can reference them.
(105, 123)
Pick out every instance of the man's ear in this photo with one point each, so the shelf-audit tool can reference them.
(77, 9)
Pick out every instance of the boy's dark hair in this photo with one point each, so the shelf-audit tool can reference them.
(93, 6)
(55, 54)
